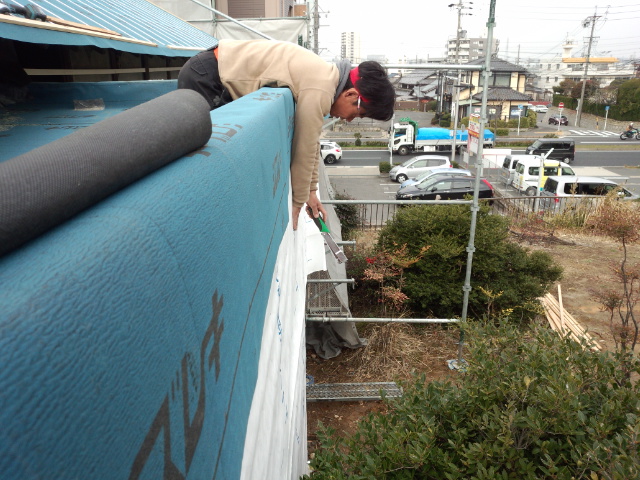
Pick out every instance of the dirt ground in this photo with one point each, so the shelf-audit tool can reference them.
(587, 263)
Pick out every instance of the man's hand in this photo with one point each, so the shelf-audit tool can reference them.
(316, 208)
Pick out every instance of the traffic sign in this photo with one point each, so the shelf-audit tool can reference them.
(561, 105)
(606, 108)
(519, 107)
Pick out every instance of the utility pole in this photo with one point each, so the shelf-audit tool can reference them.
(316, 26)
(589, 20)
(455, 100)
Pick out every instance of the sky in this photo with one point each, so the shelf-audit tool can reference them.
(538, 28)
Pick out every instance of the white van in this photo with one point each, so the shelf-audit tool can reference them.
(528, 170)
(508, 170)
(558, 190)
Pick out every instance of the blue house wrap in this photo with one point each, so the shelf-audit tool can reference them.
(130, 335)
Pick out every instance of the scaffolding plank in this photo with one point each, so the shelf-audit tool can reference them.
(349, 392)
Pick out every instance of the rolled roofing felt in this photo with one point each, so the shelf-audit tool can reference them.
(50, 184)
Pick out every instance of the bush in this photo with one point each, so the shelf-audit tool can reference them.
(384, 167)
(348, 216)
(502, 132)
(442, 119)
(531, 405)
(434, 284)
(430, 106)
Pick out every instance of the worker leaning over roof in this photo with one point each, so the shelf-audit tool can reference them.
(238, 67)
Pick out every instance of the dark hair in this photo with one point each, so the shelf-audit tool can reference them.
(374, 85)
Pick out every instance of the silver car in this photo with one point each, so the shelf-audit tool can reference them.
(418, 165)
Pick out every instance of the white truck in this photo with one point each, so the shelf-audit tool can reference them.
(406, 137)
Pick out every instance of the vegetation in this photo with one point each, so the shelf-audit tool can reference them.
(348, 216)
(623, 98)
(442, 119)
(529, 404)
(590, 89)
(560, 411)
(621, 221)
(384, 167)
(433, 284)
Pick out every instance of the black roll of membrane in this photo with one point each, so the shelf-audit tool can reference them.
(50, 184)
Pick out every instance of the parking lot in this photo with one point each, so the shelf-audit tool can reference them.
(366, 183)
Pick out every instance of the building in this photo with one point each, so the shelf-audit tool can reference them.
(507, 90)
(286, 20)
(469, 49)
(550, 71)
(350, 47)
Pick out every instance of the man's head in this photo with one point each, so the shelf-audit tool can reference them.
(368, 93)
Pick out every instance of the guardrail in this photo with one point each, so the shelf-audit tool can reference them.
(374, 214)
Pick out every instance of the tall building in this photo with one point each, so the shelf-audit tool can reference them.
(350, 47)
(470, 49)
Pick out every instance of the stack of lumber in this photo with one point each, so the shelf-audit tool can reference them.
(562, 321)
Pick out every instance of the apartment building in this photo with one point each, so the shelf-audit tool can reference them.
(350, 47)
(469, 49)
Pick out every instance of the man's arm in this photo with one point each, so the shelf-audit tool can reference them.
(309, 118)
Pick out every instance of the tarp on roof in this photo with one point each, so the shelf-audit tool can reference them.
(143, 28)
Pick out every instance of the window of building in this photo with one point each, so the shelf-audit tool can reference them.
(500, 79)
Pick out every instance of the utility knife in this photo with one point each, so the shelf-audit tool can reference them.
(328, 239)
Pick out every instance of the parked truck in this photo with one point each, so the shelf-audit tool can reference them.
(406, 137)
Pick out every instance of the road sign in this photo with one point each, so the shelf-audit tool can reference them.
(474, 133)
(606, 108)
(519, 107)
(561, 105)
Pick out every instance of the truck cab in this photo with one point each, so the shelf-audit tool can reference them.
(402, 138)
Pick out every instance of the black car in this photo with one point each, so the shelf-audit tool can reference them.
(558, 119)
(446, 188)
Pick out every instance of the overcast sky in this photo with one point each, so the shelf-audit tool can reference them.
(538, 27)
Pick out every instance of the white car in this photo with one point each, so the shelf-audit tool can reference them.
(539, 108)
(418, 165)
(330, 152)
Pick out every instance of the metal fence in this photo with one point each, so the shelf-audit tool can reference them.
(374, 214)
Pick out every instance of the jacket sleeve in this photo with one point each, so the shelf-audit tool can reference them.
(305, 155)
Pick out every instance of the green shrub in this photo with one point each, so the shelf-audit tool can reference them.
(384, 167)
(431, 105)
(530, 406)
(550, 135)
(465, 121)
(442, 119)
(502, 132)
(434, 284)
(358, 136)
(348, 215)
(513, 123)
